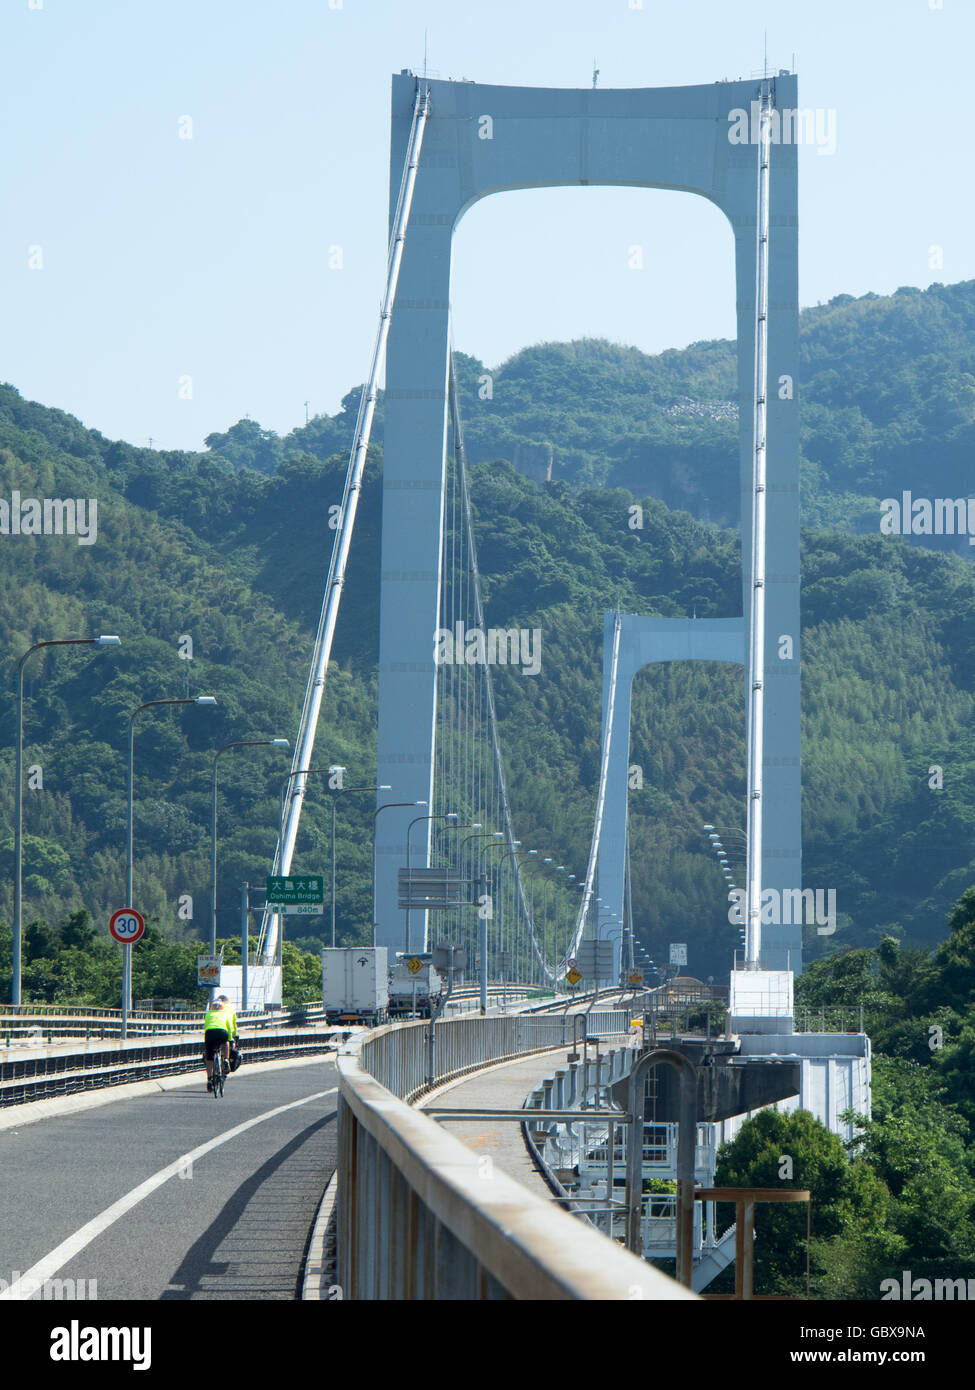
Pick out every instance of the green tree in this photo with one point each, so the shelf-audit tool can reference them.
(302, 976)
(848, 1200)
(916, 1143)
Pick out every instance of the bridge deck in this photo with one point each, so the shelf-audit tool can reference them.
(504, 1086)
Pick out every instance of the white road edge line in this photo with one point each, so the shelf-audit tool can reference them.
(67, 1250)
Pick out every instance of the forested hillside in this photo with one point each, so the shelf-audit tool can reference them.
(887, 404)
(229, 548)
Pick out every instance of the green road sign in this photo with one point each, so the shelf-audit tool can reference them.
(295, 890)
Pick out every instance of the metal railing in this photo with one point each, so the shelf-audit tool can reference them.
(838, 1018)
(33, 1023)
(416, 1216)
(25, 1079)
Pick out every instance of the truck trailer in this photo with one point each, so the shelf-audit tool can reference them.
(355, 984)
(407, 988)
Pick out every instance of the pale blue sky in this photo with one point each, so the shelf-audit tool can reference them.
(208, 258)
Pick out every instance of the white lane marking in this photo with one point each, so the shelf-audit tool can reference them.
(67, 1250)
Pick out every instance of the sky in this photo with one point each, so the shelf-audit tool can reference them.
(176, 177)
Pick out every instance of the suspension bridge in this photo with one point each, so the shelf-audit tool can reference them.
(438, 739)
(410, 1213)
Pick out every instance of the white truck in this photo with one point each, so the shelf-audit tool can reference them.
(409, 989)
(355, 984)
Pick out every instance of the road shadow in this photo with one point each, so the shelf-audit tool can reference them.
(255, 1247)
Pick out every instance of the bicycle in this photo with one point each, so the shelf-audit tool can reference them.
(219, 1076)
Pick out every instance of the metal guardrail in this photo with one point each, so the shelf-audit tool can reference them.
(34, 1022)
(418, 1217)
(25, 1079)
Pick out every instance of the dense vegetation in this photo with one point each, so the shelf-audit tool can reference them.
(210, 567)
(906, 1198)
(229, 548)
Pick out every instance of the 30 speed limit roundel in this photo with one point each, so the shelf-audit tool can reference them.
(127, 925)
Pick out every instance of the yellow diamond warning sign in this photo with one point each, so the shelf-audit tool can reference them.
(414, 965)
(573, 976)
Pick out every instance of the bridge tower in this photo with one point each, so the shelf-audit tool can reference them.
(482, 140)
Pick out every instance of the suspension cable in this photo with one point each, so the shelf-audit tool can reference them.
(756, 668)
(315, 690)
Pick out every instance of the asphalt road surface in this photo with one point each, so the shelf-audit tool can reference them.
(122, 1195)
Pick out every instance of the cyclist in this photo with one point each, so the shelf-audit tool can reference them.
(219, 1028)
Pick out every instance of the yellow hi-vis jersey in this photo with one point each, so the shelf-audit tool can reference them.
(221, 1016)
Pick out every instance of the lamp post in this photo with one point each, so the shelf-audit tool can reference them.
(546, 884)
(448, 815)
(540, 868)
(389, 806)
(239, 743)
(308, 772)
(516, 904)
(19, 778)
(461, 928)
(481, 915)
(127, 957)
(341, 791)
(724, 862)
(548, 859)
(485, 911)
(617, 936)
(529, 959)
(622, 934)
(570, 880)
(715, 837)
(500, 871)
(300, 772)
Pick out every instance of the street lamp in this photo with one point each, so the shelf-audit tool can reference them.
(725, 830)
(566, 902)
(488, 835)
(389, 806)
(529, 954)
(540, 868)
(546, 883)
(19, 776)
(448, 815)
(127, 957)
(301, 772)
(617, 936)
(239, 743)
(500, 869)
(308, 772)
(508, 854)
(385, 787)
(724, 860)
(482, 934)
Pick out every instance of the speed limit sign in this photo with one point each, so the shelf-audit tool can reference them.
(127, 925)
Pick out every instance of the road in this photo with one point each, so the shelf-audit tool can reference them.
(109, 1195)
